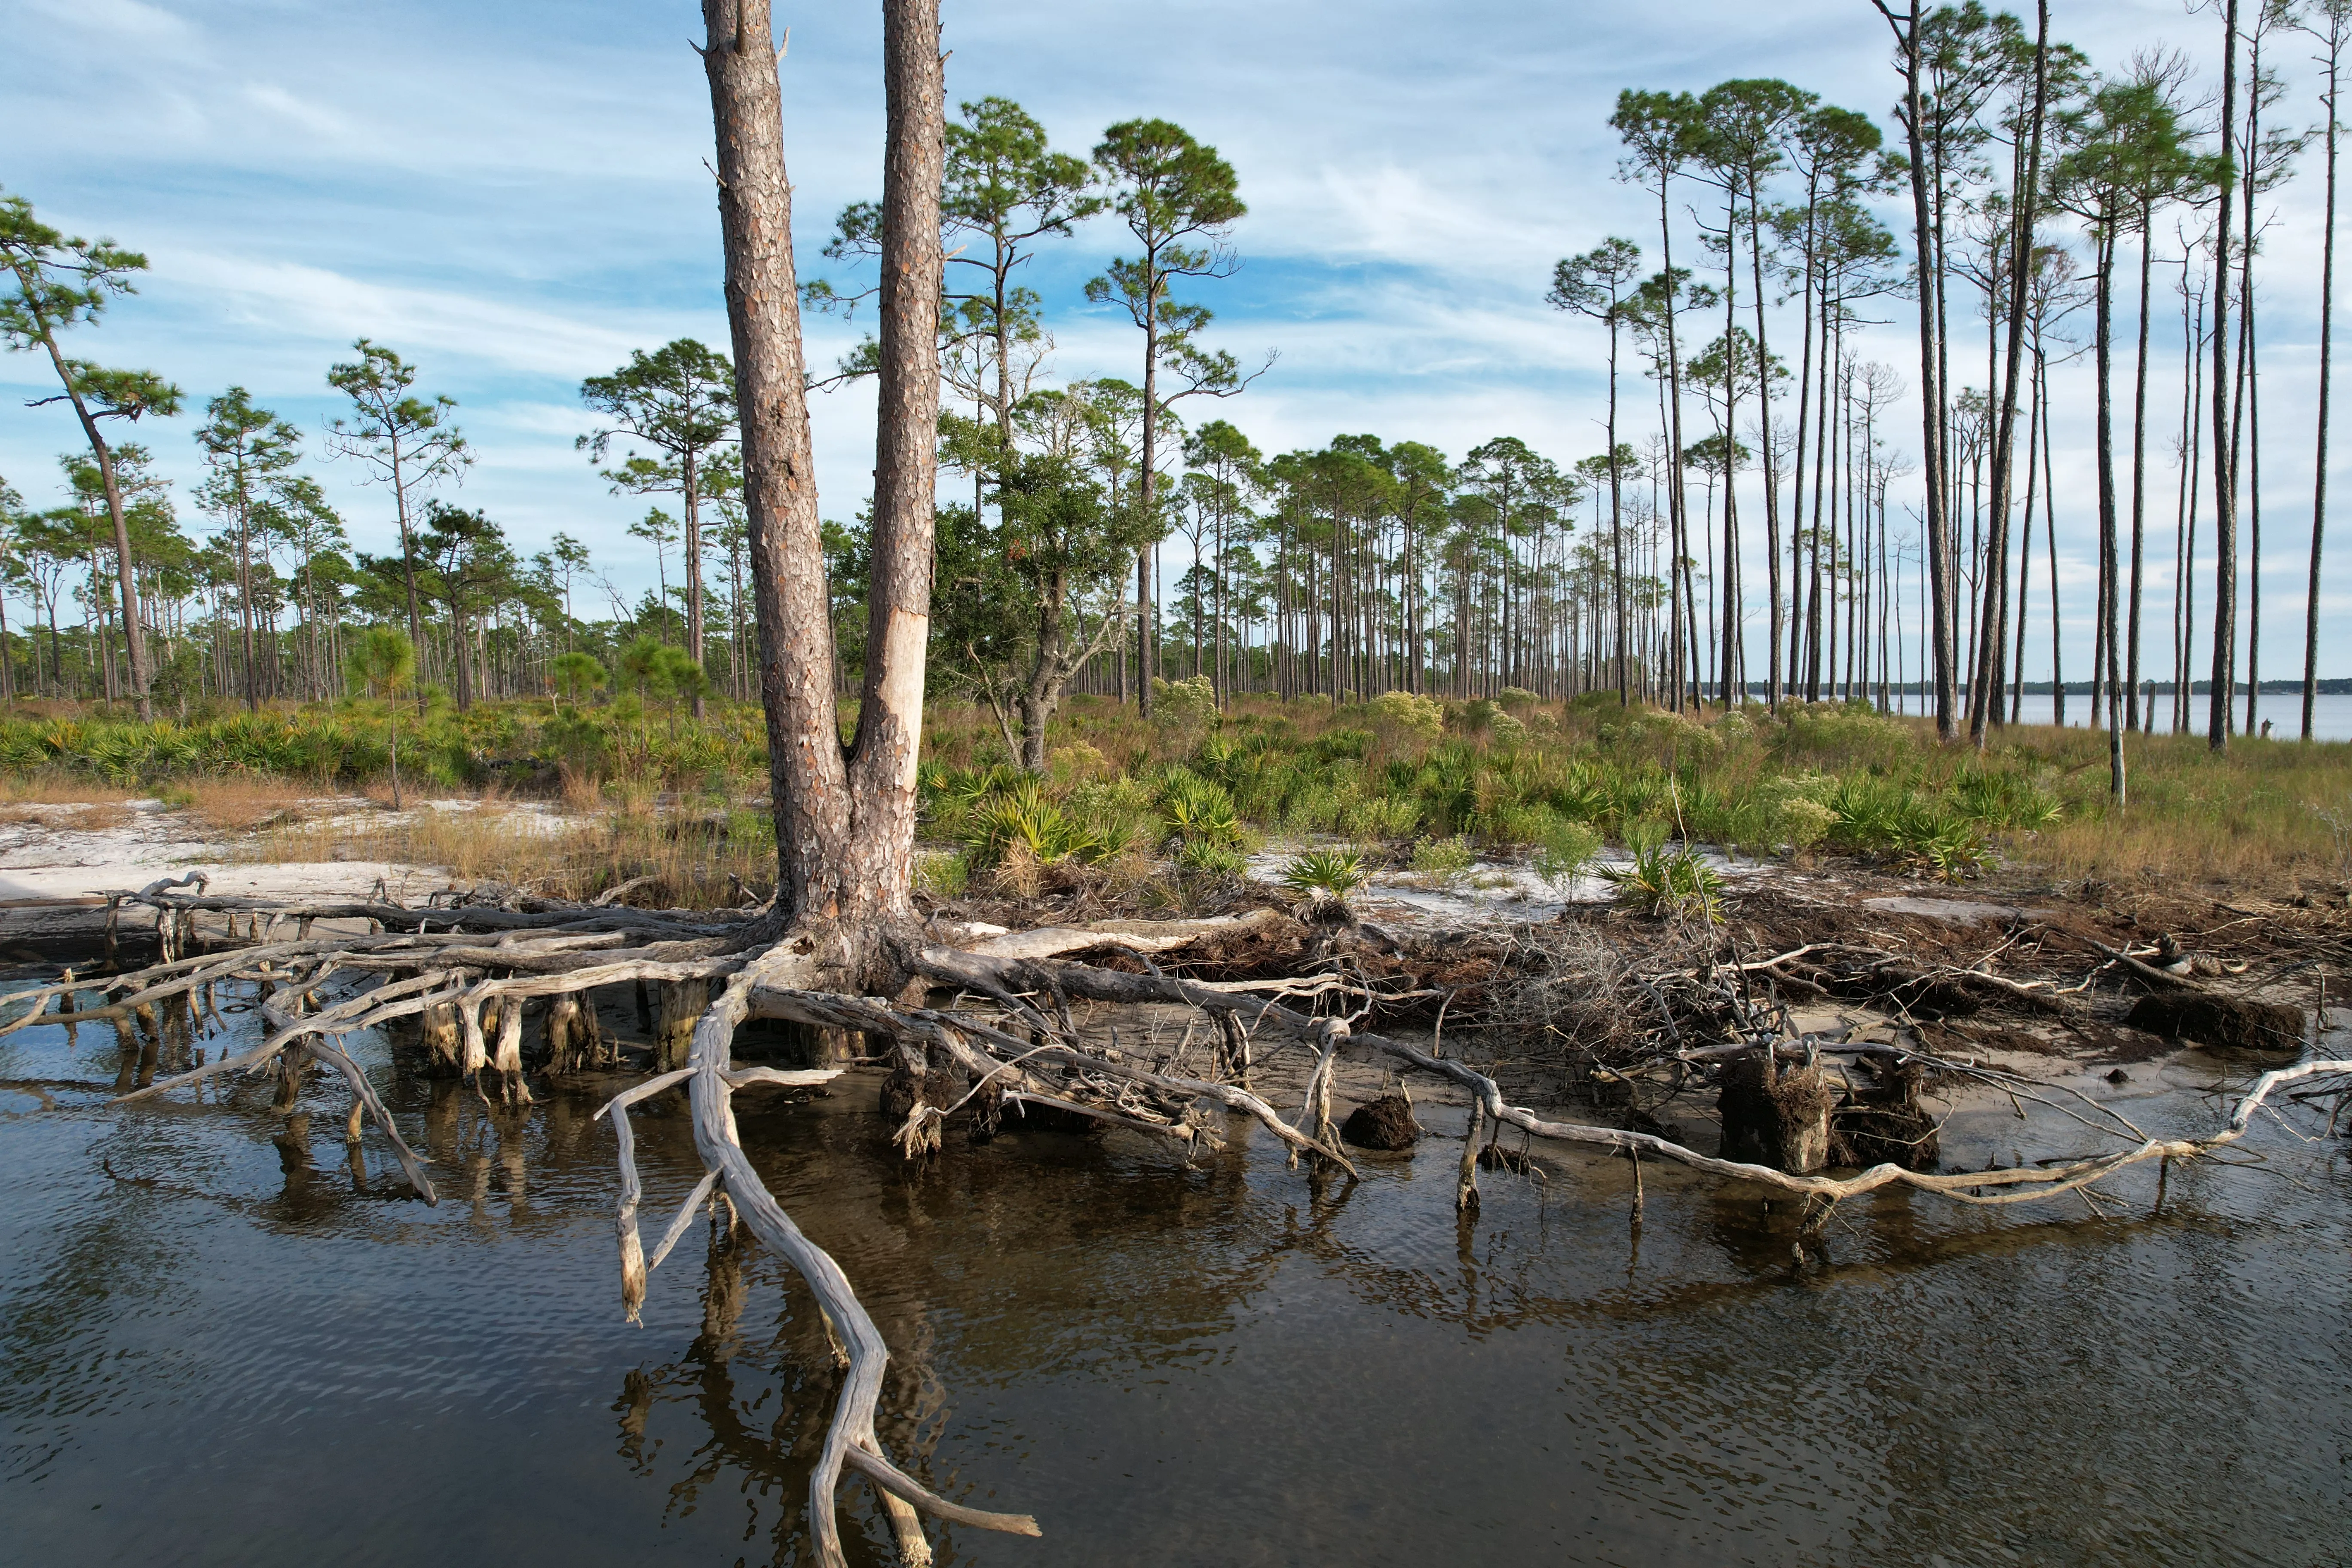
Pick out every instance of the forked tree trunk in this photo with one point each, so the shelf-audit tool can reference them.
(844, 816)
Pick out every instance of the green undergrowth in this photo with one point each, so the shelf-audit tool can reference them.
(528, 747)
(1446, 783)
(1435, 785)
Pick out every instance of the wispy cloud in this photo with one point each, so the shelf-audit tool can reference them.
(316, 303)
(515, 196)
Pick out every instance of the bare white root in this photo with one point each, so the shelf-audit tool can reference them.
(850, 1439)
(2009, 1186)
(1029, 1053)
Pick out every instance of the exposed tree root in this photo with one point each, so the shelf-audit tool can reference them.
(487, 964)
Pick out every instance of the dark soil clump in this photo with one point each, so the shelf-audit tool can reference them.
(1383, 1123)
(1885, 1124)
(2221, 1023)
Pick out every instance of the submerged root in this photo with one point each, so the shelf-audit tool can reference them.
(2221, 1022)
(1886, 1124)
(1016, 1054)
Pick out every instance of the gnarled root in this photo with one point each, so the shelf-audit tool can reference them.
(1028, 1054)
(850, 1440)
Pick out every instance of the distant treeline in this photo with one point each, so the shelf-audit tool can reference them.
(2339, 688)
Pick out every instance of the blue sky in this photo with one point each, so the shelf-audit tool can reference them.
(514, 197)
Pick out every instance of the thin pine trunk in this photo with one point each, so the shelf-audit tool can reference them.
(2326, 349)
(2225, 498)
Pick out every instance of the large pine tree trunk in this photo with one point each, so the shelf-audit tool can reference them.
(2326, 356)
(844, 817)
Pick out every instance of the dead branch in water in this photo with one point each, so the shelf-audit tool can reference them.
(1016, 1049)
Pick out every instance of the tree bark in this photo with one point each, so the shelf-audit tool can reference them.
(693, 511)
(135, 643)
(2326, 348)
(844, 816)
(2110, 587)
(2132, 715)
(906, 469)
(1984, 693)
(1931, 390)
(808, 777)
(2225, 486)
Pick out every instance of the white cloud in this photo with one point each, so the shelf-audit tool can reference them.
(515, 196)
(317, 302)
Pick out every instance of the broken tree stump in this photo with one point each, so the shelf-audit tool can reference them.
(676, 1006)
(1780, 1120)
(1383, 1123)
(1886, 1124)
(437, 1031)
(571, 1039)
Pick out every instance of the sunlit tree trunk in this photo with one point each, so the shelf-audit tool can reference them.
(844, 817)
(2327, 356)
(2225, 486)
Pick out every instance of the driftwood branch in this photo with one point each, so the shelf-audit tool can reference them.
(2009, 1186)
(1029, 1054)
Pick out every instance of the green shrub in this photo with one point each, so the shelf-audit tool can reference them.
(943, 876)
(1663, 881)
(1195, 810)
(1313, 810)
(1207, 858)
(1443, 857)
(1565, 851)
(2003, 799)
(1382, 816)
(1325, 873)
(1184, 707)
(1956, 850)
(1407, 717)
(1843, 735)
(1022, 817)
(1341, 746)
(1510, 825)
(1801, 823)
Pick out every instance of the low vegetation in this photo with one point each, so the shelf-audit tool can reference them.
(649, 791)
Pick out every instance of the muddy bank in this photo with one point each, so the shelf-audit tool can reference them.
(1620, 1016)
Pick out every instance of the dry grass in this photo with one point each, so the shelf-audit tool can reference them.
(2253, 818)
(245, 803)
(75, 816)
(48, 788)
(700, 854)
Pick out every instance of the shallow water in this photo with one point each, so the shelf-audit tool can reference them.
(222, 1347)
(2331, 713)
